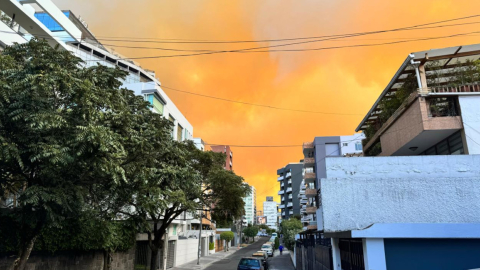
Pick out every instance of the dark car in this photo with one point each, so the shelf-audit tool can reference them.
(250, 263)
(263, 256)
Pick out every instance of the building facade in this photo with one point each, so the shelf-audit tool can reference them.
(251, 206)
(64, 29)
(289, 178)
(412, 201)
(228, 152)
(270, 211)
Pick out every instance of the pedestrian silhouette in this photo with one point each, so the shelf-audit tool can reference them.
(281, 249)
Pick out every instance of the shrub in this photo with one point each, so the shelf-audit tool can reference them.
(211, 246)
(277, 243)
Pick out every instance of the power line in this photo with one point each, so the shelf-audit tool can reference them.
(255, 104)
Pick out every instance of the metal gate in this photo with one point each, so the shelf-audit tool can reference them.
(351, 254)
(323, 253)
(141, 255)
(309, 246)
(171, 254)
(299, 253)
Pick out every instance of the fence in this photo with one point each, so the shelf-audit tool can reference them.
(314, 252)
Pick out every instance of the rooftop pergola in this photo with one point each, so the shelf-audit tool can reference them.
(438, 64)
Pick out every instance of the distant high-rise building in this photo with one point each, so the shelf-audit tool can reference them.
(228, 152)
(290, 177)
(270, 212)
(251, 206)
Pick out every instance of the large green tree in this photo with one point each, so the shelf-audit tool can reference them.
(289, 228)
(70, 138)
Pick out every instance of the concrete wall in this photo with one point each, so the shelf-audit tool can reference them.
(72, 261)
(187, 250)
(471, 122)
(359, 192)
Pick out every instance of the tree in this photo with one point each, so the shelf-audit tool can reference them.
(65, 137)
(263, 226)
(289, 228)
(227, 236)
(251, 231)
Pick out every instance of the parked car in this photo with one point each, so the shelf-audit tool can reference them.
(250, 263)
(268, 249)
(263, 252)
(263, 255)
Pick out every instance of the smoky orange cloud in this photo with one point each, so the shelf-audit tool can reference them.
(343, 80)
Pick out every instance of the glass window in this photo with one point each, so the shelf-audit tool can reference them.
(156, 103)
(49, 22)
(358, 146)
(179, 133)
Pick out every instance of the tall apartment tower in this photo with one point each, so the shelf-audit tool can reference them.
(251, 206)
(290, 178)
(228, 152)
(314, 169)
(270, 212)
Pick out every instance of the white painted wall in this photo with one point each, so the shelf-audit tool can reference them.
(270, 211)
(8, 36)
(186, 251)
(362, 191)
(469, 106)
(350, 142)
(374, 254)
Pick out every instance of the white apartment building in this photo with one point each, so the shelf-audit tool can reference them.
(270, 212)
(251, 206)
(43, 19)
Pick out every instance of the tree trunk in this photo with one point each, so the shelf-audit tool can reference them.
(154, 259)
(24, 254)
(107, 260)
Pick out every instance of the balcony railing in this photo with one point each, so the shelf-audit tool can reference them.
(308, 161)
(310, 193)
(282, 185)
(280, 178)
(311, 210)
(289, 190)
(289, 181)
(308, 149)
(312, 225)
(309, 177)
(281, 192)
(290, 212)
(289, 174)
(450, 89)
(290, 204)
(281, 206)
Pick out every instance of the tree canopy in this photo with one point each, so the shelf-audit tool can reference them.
(289, 228)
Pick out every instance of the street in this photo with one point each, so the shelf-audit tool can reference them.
(276, 263)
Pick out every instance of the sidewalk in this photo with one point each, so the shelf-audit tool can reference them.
(207, 260)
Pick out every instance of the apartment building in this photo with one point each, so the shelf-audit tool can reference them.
(43, 19)
(251, 206)
(228, 152)
(270, 211)
(289, 178)
(314, 169)
(413, 202)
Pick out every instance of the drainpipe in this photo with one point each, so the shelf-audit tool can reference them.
(416, 64)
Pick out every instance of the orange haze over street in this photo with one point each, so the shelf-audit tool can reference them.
(344, 80)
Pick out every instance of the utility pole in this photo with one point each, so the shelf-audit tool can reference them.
(200, 239)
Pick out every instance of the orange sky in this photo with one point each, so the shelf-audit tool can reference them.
(343, 80)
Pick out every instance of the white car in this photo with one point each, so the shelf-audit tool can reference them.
(268, 249)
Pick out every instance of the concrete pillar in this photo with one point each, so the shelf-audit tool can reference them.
(337, 263)
(374, 254)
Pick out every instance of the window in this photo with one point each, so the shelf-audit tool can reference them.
(358, 146)
(179, 133)
(156, 103)
(344, 144)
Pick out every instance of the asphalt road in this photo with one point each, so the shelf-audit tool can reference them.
(230, 263)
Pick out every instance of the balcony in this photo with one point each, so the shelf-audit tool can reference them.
(311, 210)
(280, 178)
(309, 177)
(290, 205)
(312, 225)
(288, 175)
(289, 190)
(290, 212)
(308, 162)
(281, 192)
(290, 196)
(310, 193)
(308, 148)
(289, 181)
(282, 185)
(422, 116)
(281, 206)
